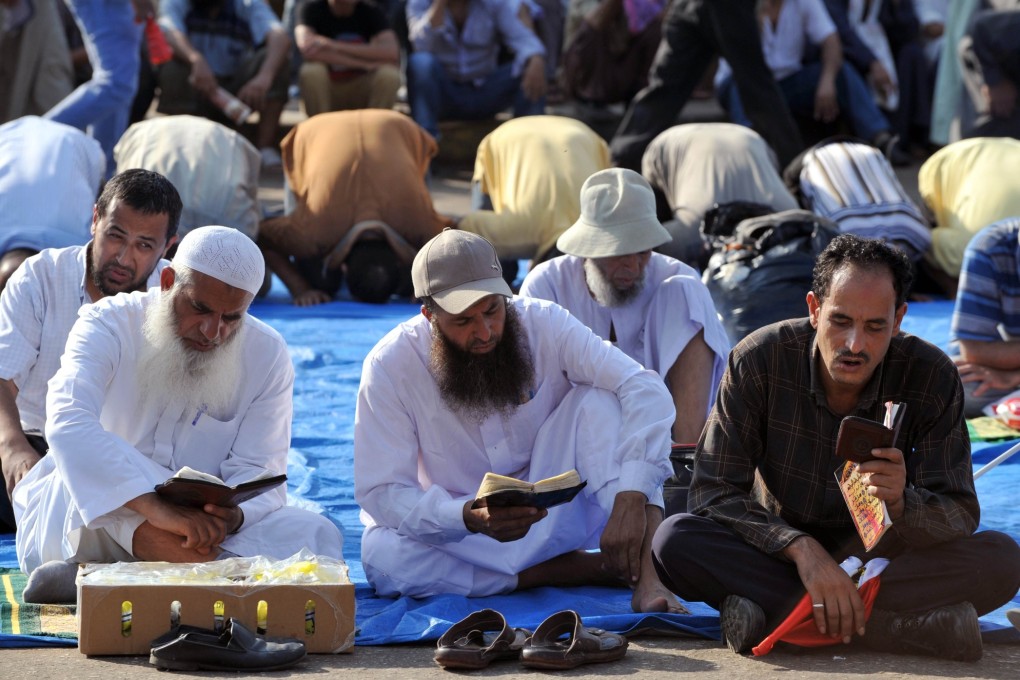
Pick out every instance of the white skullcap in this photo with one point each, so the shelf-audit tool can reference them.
(225, 254)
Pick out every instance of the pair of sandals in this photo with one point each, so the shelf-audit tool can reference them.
(560, 642)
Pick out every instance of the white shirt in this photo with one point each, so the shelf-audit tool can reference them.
(416, 462)
(652, 329)
(801, 23)
(49, 178)
(214, 169)
(38, 307)
(108, 448)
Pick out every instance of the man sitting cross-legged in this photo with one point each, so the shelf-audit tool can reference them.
(654, 308)
(484, 382)
(134, 222)
(149, 383)
(768, 521)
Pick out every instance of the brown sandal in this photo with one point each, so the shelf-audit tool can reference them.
(478, 640)
(549, 649)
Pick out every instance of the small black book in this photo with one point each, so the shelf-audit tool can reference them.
(195, 493)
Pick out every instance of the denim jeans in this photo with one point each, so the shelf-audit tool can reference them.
(855, 101)
(102, 105)
(434, 97)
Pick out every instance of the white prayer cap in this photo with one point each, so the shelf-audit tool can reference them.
(225, 254)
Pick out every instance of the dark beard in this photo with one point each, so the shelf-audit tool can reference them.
(478, 385)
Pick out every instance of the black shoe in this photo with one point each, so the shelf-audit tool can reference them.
(950, 632)
(742, 622)
(187, 648)
(889, 145)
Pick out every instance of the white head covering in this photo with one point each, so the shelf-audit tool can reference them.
(617, 217)
(225, 254)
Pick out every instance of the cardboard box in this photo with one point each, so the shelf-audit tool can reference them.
(101, 629)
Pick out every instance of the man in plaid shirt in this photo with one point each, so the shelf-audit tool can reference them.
(767, 520)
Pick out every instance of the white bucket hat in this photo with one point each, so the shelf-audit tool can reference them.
(617, 217)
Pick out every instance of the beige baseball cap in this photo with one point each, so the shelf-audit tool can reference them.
(457, 269)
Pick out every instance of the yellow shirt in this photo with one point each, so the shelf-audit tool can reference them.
(532, 169)
(967, 186)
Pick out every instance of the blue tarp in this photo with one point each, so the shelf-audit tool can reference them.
(328, 343)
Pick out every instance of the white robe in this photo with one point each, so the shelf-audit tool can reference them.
(107, 447)
(655, 327)
(416, 462)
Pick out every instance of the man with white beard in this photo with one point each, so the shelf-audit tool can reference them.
(654, 308)
(152, 382)
(484, 382)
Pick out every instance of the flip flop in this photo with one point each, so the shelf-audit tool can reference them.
(478, 640)
(549, 649)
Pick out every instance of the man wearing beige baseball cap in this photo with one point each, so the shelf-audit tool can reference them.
(484, 382)
(654, 308)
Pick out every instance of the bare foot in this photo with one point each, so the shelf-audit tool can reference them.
(655, 597)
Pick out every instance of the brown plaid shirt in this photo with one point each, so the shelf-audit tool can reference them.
(765, 466)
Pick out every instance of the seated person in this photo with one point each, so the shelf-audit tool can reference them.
(743, 168)
(215, 169)
(134, 223)
(609, 48)
(991, 71)
(484, 382)
(453, 72)
(654, 308)
(351, 58)
(948, 183)
(525, 189)
(35, 64)
(355, 177)
(237, 44)
(37, 155)
(819, 90)
(547, 20)
(986, 318)
(153, 382)
(767, 521)
(882, 40)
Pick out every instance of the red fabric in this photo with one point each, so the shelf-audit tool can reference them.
(799, 627)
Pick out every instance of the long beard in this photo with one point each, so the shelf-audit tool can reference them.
(603, 290)
(170, 372)
(479, 385)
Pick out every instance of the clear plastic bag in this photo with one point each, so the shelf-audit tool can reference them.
(303, 567)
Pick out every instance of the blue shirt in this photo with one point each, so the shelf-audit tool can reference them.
(41, 159)
(227, 39)
(988, 296)
(471, 54)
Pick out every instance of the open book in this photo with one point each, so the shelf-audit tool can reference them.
(194, 488)
(499, 491)
(854, 442)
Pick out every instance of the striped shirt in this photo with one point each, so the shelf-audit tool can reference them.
(766, 464)
(988, 297)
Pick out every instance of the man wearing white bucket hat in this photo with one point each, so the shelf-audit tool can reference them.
(654, 308)
(152, 382)
(483, 382)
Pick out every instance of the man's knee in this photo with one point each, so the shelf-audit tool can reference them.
(423, 67)
(313, 74)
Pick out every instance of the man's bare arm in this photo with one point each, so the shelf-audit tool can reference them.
(1004, 354)
(689, 381)
(382, 49)
(17, 456)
